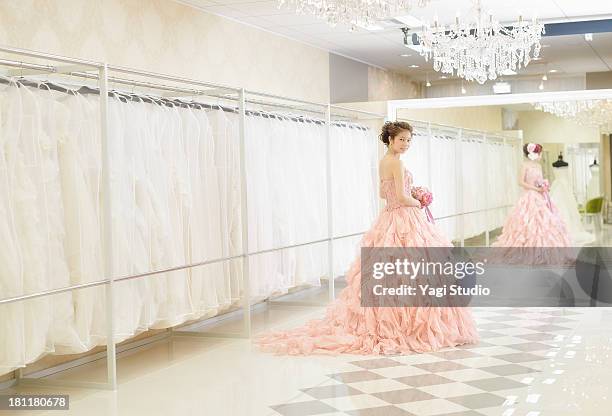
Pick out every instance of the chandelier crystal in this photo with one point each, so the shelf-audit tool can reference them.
(352, 12)
(483, 49)
(595, 113)
(565, 109)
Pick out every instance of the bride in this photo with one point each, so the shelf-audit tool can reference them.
(350, 328)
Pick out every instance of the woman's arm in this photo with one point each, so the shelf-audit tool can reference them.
(398, 180)
(524, 184)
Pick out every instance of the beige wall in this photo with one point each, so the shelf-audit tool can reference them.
(389, 85)
(168, 37)
(547, 128)
(487, 118)
(598, 80)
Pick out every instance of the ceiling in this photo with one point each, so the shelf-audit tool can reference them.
(569, 54)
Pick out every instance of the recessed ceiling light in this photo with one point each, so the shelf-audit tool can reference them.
(545, 46)
(405, 55)
(501, 87)
(443, 77)
(409, 20)
(539, 58)
(552, 71)
(588, 37)
(414, 66)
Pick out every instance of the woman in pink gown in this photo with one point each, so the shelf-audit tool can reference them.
(350, 328)
(534, 221)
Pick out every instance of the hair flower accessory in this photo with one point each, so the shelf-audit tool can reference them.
(534, 151)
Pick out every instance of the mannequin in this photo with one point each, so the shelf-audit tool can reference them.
(562, 195)
(560, 163)
(593, 190)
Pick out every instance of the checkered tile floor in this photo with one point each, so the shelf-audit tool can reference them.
(519, 350)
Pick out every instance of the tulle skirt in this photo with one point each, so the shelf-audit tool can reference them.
(350, 328)
(533, 222)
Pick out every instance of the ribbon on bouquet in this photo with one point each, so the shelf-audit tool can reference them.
(429, 216)
(545, 194)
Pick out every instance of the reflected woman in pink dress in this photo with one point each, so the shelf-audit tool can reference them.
(534, 221)
(350, 328)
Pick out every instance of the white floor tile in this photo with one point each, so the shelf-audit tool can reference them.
(363, 401)
(432, 407)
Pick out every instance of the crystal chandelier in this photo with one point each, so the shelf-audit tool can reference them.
(565, 109)
(352, 12)
(481, 49)
(595, 113)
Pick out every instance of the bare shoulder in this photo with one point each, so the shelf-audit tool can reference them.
(391, 164)
(389, 167)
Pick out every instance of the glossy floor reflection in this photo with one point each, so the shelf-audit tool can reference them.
(531, 361)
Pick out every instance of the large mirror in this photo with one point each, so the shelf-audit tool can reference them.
(469, 151)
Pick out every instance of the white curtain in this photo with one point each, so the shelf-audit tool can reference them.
(432, 160)
(175, 195)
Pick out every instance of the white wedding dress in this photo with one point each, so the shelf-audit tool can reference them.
(593, 190)
(175, 200)
(563, 197)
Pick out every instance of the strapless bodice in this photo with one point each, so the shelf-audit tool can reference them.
(533, 175)
(388, 189)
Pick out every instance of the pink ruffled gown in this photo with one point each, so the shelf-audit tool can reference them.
(349, 328)
(534, 221)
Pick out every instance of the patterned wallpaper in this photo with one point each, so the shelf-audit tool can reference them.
(168, 37)
(389, 85)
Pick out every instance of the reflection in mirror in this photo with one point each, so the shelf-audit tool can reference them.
(471, 156)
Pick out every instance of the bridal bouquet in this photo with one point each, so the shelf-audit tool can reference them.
(544, 184)
(425, 197)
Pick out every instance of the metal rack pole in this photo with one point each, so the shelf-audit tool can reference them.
(429, 157)
(459, 176)
(111, 354)
(41, 55)
(330, 220)
(486, 190)
(244, 212)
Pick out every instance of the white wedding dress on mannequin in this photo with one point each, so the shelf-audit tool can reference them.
(563, 197)
(593, 190)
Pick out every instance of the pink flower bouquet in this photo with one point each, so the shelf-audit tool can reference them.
(423, 195)
(544, 184)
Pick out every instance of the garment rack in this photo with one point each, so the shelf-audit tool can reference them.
(170, 102)
(99, 72)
